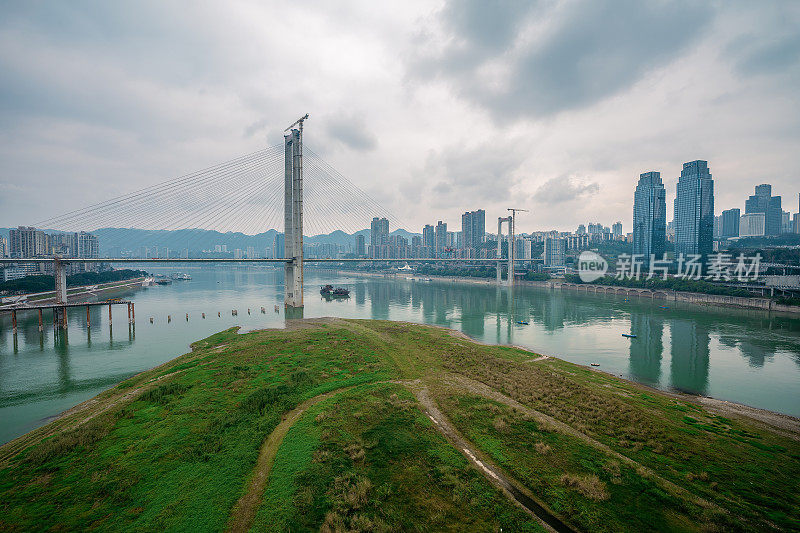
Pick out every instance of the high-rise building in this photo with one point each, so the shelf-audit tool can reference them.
(554, 251)
(694, 210)
(3, 247)
(429, 236)
(581, 229)
(27, 242)
(616, 230)
(752, 225)
(440, 240)
(361, 245)
(797, 216)
(730, 223)
(379, 238)
(64, 244)
(89, 247)
(278, 247)
(763, 202)
(786, 222)
(473, 229)
(649, 216)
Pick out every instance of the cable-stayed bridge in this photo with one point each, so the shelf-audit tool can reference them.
(248, 194)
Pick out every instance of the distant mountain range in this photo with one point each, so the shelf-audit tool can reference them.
(116, 239)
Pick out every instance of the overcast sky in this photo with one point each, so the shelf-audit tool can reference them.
(432, 108)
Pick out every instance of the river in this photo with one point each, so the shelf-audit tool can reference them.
(745, 356)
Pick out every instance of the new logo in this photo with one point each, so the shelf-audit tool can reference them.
(591, 266)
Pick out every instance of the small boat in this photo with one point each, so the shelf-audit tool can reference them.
(338, 292)
(522, 322)
(663, 307)
(629, 335)
(181, 276)
(595, 364)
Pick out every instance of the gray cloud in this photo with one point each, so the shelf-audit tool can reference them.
(351, 130)
(564, 189)
(100, 98)
(463, 175)
(588, 51)
(779, 53)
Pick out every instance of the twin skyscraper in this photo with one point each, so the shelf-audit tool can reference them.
(693, 212)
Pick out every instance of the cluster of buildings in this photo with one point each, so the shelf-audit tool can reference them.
(26, 242)
(434, 242)
(763, 216)
(473, 242)
(694, 228)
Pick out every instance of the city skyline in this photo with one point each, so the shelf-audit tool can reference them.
(87, 119)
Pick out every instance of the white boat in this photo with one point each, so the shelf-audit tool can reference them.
(148, 282)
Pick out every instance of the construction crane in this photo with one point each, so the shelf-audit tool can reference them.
(514, 217)
(298, 121)
(511, 229)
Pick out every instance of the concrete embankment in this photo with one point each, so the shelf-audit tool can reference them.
(82, 293)
(742, 302)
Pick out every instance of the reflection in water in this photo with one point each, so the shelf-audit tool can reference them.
(690, 356)
(755, 355)
(293, 313)
(646, 349)
(61, 345)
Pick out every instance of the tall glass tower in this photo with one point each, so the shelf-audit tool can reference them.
(694, 210)
(649, 216)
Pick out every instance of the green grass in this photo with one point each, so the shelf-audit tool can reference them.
(553, 465)
(174, 447)
(369, 460)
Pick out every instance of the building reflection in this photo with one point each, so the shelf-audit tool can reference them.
(646, 350)
(689, 350)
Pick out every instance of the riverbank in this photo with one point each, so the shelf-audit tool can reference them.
(375, 425)
(82, 294)
(741, 302)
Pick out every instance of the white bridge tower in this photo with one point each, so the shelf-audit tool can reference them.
(293, 215)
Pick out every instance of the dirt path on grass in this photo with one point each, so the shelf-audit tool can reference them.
(513, 490)
(553, 424)
(244, 512)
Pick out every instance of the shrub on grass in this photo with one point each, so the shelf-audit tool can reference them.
(542, 448)
(355, 451)
(589, 486)
(63, 443)
(258, 401)
(163, 393)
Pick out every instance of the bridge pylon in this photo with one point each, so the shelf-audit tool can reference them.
(510, 276)
(293, 215)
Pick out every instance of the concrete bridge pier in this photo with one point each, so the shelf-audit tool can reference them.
(60, 274)
(510, 275)
(293, 216)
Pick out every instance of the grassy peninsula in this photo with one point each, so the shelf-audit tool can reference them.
(357, 425)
